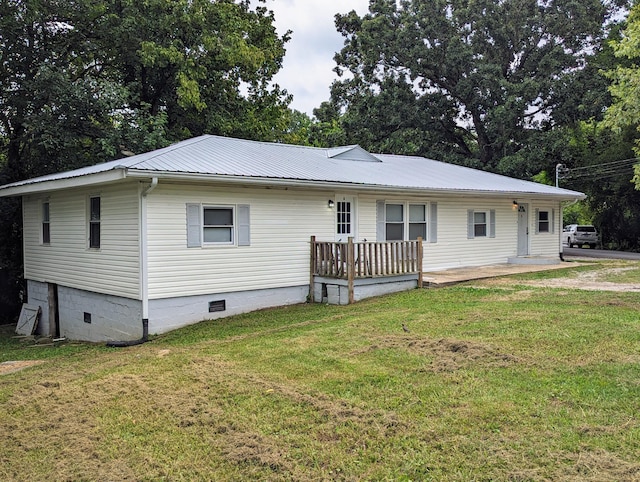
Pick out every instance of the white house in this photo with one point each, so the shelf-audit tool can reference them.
(214, 226)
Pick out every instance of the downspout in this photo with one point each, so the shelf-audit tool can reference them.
(144, 268)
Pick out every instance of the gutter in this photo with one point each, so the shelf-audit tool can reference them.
(332, 185)
(144, 270)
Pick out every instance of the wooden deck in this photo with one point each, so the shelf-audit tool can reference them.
(357, 260)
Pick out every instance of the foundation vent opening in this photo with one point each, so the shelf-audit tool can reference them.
(220, 305)
(87, 317)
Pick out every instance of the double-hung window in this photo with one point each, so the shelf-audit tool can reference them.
(46, 223)
(394, 227)
(417, 221)
(218, 226)
(481, 224)
(545, 221)
(405, 221)
(94, 222)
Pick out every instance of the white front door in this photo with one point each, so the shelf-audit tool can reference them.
(523, 230)
(345, 218)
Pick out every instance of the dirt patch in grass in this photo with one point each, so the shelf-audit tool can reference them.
(14, 366)
(601, 465)
(448, 354)
(594, 280)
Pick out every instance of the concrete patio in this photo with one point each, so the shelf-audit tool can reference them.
(435, 279)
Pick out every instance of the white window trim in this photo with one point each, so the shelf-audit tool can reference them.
(406, 212)
(490, 223)
(551, 220)
(233, 227)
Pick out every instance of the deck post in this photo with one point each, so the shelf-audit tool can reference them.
(351, 268)
(312, 270)
(419, 262)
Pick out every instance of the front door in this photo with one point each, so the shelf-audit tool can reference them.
(345, 218)
(523, 230)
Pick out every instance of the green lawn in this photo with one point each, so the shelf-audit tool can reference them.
(508, 383)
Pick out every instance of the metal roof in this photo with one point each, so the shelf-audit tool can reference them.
(237, 159)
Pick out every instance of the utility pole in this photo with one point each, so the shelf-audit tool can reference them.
(558, 168)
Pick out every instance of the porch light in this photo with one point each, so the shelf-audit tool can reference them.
(514, 206)
(330, 203)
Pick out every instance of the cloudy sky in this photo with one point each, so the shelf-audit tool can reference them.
(308, 64)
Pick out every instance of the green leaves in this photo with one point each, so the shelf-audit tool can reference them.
(474, 77)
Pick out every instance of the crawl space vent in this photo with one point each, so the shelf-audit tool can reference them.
(214, 306)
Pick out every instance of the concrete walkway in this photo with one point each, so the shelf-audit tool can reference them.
(435, 279)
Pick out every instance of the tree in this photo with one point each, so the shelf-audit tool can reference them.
(625, 88)
(87, 81)
(468, 81)
(207, 64)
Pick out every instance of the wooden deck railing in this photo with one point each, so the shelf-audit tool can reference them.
(353, 260)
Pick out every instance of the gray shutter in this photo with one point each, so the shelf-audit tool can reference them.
(380, 222)
(194, 226)
(537, 221)
(433, 223)
(553, 221)
(470, 229)
(244, 231)
(492, 223)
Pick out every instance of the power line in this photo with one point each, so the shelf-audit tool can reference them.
(598, 171)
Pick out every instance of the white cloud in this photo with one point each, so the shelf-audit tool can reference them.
(307, 71)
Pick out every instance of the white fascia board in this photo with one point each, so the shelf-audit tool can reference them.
(70, 182)
(368, 188)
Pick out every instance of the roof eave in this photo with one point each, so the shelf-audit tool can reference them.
(269, 181)
(56, 184)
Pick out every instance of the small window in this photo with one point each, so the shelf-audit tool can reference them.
(46, 224)
(94, 222)
(394, 222)
(218, 225)
(479, 224)
(543, 222)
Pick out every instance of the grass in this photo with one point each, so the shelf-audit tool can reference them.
(508, 382)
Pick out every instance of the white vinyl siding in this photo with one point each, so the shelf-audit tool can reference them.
(67, 261)
(281, 224)
(453, 248)
(545, 242)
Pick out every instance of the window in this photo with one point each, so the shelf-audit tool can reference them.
(46, 225)
(394, 222)
(94, 222)
(398, 228)
(343, 213)
(417, 221)
(543, 221)
(481, 224)
(218, 226)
